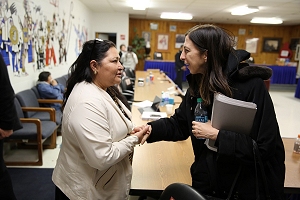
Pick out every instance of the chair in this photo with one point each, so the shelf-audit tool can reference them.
(31, 98)
(62, 80)
(33, 135)
(157, 56)
(131, 74)
(180, 191)
(127, 89)
(28, 100)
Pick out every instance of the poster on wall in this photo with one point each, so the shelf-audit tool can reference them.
(162, 42)
(147, 36)
(173, 28)
(179, 40)
(251, 45)
(294, 42)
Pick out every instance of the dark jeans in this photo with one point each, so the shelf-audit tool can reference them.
(59, 195)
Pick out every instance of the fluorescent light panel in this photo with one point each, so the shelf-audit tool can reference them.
(264, 20)
(138, 4)
(170, 15)
(244, 10)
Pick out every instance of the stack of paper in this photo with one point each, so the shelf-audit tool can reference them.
(153, 115)
(231, 115)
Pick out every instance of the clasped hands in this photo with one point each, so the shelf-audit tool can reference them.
(142, 132)
(204, 130)
(5, 133)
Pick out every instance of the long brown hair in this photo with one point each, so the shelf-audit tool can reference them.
(219, 44)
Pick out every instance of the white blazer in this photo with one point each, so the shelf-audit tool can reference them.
(93, 161)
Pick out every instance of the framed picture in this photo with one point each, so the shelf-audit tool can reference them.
(294, 42)
(153, 26)
(271, 44)
(147, 36)
(173, 28)
(162, 42)
(251, 45)
(179, 40)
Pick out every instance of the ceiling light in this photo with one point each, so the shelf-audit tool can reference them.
(264, 20)
(138, 4)
(244, 10)
(139, 7)
(170, 15)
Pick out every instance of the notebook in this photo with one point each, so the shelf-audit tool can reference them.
(232, 115)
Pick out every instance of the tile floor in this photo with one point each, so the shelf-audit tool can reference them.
(287, 109)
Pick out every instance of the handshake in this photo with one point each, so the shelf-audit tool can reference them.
(142, 133)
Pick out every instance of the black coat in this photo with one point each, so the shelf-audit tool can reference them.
(213, 172)
(8, 115)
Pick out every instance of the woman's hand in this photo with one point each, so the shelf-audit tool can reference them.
(142, 133)
(5, 133)
(204, 130)
(53, 82)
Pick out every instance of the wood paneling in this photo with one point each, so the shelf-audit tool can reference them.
(252, 31)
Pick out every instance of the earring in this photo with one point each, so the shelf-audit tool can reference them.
(95, 72)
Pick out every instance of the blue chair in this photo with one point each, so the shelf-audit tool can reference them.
(31, 109)
(33, 135)
(29, 98)
(62, 80)
(180, 191)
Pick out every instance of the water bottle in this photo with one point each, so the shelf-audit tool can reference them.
(200, 112)
(297, 145)
(162, 99)
(147, 80)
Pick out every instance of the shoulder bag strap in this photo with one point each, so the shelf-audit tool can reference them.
(234, 182)
(258, 160)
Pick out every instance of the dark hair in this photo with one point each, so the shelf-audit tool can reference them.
(43, 76)
(122, 45)
(80, 70)
(129, 48)
(219, 44)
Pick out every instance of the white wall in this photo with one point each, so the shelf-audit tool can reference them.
(81, 24)
(111, 23)
(76, 31)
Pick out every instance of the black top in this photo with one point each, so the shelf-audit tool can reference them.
(178, 63)
(213, 172)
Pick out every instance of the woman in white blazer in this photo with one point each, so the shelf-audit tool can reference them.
(98, 136)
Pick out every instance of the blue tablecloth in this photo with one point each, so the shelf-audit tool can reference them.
(166, 66)
(283, 74)
(297, 93)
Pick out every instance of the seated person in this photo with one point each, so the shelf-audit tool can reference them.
(49, 89)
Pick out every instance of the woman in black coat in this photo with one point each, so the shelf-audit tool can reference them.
(216, 67)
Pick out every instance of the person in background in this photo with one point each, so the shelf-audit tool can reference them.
(94, 161)
(215, 67)
(49, 88)
(122, 50)
(129, 59)
(9, 122)
(179, 68)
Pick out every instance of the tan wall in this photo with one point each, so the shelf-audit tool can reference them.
(252, 31)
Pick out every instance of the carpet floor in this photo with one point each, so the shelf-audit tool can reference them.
(32, 183)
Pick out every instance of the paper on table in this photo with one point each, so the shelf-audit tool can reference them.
(153, 115)
(143, 104)
(232, 115)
